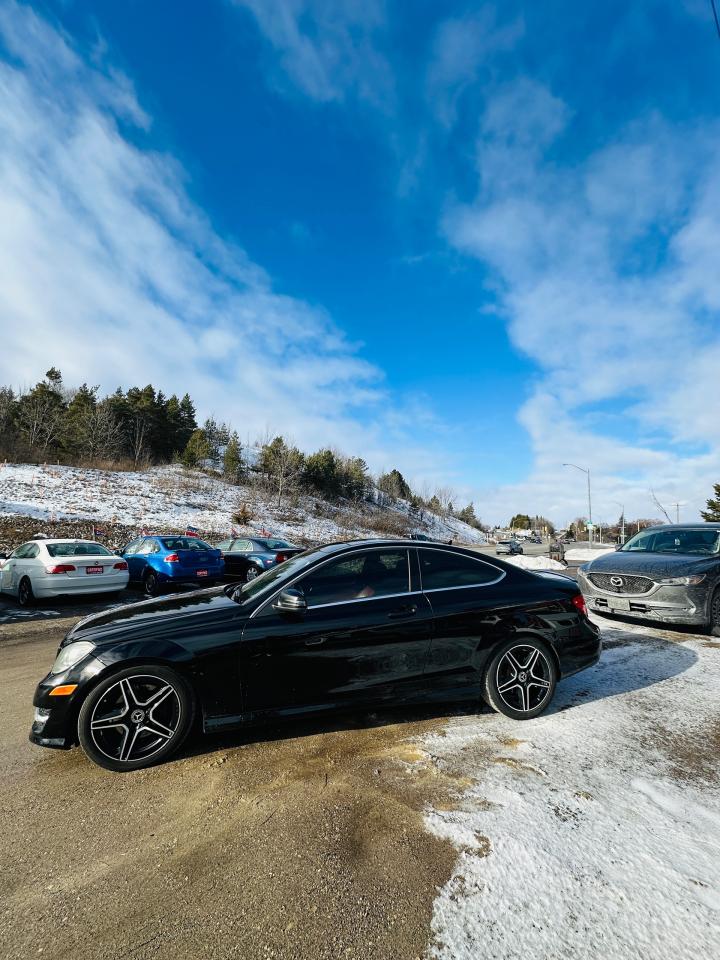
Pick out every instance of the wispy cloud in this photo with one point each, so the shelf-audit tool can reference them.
(606, 277)
(111, 272)
(328, 49)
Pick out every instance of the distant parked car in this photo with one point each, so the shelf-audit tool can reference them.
(669, 573)
(245, 558)
(508, 546)
(50, 568)
(157, 562)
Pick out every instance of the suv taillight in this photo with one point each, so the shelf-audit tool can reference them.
(61, 568)
(120, 565)
(172, 558)
(579, 604)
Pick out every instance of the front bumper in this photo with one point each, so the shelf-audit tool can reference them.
(55, 719)
(670, 604)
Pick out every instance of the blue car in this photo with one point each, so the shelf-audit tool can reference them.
(157, 562)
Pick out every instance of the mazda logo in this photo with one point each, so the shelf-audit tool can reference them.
(616, 581)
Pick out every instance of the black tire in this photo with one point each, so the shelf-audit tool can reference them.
(714, 611)
(252, 572)
(25, 596)
(520, 679)
(151, 584)
(145, 738)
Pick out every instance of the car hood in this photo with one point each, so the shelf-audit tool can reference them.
(146, 617)
(656, 565)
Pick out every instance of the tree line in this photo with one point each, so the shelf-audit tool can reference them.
(140, 426)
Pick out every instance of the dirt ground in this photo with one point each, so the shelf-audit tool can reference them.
(297, 842)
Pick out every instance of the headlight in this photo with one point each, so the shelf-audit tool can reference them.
(71, 654)
(682, 581)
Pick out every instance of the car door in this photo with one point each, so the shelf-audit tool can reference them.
(14, 567)
(365, 636)
(467, 595)
(135, 562)
(237, 559)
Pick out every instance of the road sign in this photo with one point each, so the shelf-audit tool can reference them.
(590, 526)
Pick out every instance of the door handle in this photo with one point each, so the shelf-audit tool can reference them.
(407, 611)
(315, 642)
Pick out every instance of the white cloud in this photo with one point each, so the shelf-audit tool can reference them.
(609, 281)
(110, 272)
(328, 48)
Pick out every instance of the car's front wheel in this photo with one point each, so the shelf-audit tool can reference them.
(25, 593)
(520, 679)
(714, 624)
(136, 718)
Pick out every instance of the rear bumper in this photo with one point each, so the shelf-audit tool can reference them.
(580, 650)
(70, 587)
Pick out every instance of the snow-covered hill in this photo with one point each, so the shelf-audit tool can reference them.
(173, 497)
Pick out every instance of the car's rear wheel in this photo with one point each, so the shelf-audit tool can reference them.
(151, 584)
(714, 624)
(136, 718)
(520, 679)
(25, 596)
(251, 573)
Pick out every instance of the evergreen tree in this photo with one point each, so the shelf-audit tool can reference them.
(321, 471)
(233, 467)
(394, 485)
(712, 514)
(197, 449)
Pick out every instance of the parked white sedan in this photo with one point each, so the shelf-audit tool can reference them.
(50, 568)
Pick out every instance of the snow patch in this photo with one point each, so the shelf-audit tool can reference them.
(536, 563)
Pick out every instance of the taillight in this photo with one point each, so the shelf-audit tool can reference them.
(60, 568)
(172, 558)
(280, 557)
(120, 565)
(579, 604)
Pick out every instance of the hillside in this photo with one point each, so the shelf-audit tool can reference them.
(67, 500)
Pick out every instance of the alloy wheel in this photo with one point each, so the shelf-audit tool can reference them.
(524, 678)
(135, 718)
(25, 592)
(151, 584)
(251, 573)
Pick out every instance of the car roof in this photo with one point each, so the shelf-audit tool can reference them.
(60, 540)
(697, 525)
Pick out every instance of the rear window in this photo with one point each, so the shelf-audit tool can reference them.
(184, 543)
(86, 549)
(442, 570)
(273, 544)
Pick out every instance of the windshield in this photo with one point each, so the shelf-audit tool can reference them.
(272, 577)
(77, 550)
(690, 541)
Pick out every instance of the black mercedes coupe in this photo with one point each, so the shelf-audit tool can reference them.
(373, 622)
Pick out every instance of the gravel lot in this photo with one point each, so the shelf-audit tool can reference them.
(589, 832)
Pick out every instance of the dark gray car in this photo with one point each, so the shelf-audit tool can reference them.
(669, 573)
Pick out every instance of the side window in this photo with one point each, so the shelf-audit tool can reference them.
(146, 547)
(23, 552)
(225, 545)
(442, 570)
(243, 546)
(132, 547)
(375, 573)
(33, 551)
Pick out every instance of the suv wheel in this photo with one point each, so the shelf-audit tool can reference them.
(714, 623)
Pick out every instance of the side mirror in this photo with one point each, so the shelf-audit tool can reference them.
(291, 600)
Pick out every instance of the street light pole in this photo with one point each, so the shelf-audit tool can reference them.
(587, 472)
(622, 515)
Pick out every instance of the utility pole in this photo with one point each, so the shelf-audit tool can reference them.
(622, 517)
(590, 523)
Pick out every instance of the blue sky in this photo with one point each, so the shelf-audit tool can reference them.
(469, 240)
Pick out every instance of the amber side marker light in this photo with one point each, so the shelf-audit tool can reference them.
(64, 691)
